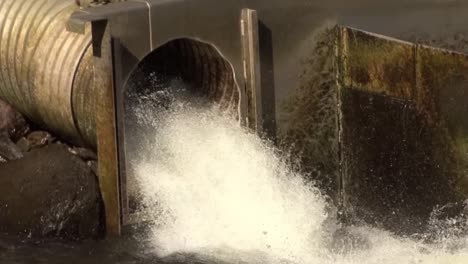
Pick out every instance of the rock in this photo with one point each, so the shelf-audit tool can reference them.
(23, 145)
(93, 164)
(12, 123)
(36, 139)
(49, 193)
(8, 149)
(83, 153)
(39, 139)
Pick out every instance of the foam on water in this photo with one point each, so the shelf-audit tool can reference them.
(215, 189)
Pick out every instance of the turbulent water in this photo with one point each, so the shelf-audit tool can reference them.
(213, 189)
(213, 192)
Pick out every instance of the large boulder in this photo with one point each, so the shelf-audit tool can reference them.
(49, 193)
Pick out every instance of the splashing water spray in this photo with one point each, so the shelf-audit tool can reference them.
(212, 188)
(394, 111)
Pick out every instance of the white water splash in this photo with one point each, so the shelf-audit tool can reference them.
(214, 189)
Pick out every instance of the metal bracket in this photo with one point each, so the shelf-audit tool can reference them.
(251, 68)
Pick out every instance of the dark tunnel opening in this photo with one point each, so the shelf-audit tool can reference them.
(200, 66)
(203, 73)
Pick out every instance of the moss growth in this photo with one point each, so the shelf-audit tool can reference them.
(310, 115)
(379, 65)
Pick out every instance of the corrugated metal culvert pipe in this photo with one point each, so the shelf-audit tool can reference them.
(49, 74)
(46, 72)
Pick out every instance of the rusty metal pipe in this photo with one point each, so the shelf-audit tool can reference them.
(46, 72)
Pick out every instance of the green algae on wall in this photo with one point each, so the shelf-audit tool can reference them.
(309, 116)
(378, 123)
(403, 126)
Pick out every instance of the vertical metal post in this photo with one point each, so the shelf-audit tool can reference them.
(251, 60)
(120, 127)
(106, 126)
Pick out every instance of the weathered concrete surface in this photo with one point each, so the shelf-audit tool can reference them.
(310, 116)
(404, 131)
(379, 124)
(49, 193)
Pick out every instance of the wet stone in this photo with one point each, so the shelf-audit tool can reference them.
(93, 164)
(39, 139)
(23, 144)
(83, 153)
(49, 193)
(12, 123)
(8, 149)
